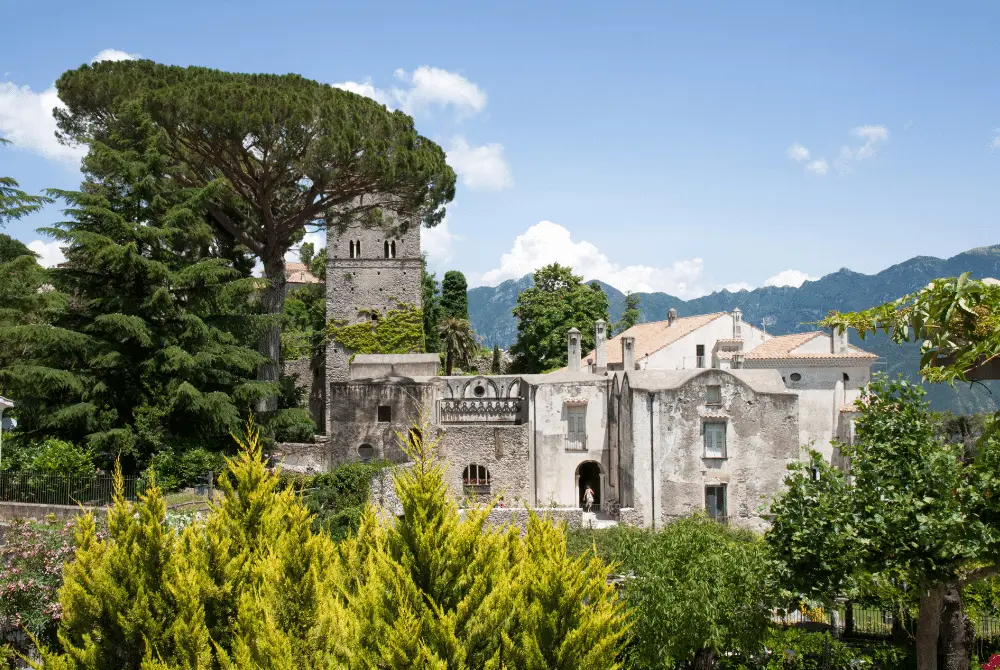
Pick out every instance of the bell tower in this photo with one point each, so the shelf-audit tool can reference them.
(369, 270)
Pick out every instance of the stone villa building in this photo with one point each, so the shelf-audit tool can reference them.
(689, 413)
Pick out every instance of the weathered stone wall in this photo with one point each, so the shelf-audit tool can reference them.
(308, 375)
(304, 458)
(354, 417)
(38, 512)
(518, 517)
(503, 450)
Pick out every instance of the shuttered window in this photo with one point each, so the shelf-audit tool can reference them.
(576, 433)
(715, 439)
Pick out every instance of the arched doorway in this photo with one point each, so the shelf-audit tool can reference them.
(589, 474)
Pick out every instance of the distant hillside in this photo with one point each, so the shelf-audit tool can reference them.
(786, 310)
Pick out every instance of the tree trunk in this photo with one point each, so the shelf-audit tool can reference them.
(957, 632)
(928, 627)
(849, 619)
(273, 302)
(704, 659)
(448, 363)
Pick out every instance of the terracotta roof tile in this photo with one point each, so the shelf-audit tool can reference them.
(653, 336)
(784, 346)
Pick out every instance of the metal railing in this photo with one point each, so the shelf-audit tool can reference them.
(48, 489)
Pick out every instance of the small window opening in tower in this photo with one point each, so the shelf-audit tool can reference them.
(392, 249)
(352, 248)
(386, 247)
(358, 245)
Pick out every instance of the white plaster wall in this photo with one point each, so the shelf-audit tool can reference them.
(557, 465)
(644, 479)
(821, 393)
(682, 353)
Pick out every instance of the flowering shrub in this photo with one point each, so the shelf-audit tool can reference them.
(31, 569)
(993, 663)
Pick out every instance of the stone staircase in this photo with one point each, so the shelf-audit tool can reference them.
(597, 520)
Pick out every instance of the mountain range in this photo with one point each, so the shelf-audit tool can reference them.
(787, 309)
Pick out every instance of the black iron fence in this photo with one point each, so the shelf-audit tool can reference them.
(869, 622)
(48, 489)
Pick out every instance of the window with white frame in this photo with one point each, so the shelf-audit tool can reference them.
(715, 439)
(576, 433)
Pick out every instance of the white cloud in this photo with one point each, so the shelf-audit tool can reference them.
(850, 156)
(789, 278)
(50, 253)
(798, 153)
(995, 144)
(26, 117)
(481, 168)
(736, 287)
(438, 243)
(318, 240)
(113, 55)
(547, 242)
(818, 166)
(426, 87)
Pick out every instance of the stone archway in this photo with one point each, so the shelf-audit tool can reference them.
(589, 473)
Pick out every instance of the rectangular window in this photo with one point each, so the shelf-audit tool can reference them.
(714, 395)
(715, 439)
(715, 502)
(699, 354)
(384, 413)
(576, 434)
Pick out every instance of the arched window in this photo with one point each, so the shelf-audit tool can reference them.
(476, 480)
(392, 249)
(366, 452)
(352, 249)
(847, 377)
(386, 245)
(358, 247)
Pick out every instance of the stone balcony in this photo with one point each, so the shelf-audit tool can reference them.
(480, 410)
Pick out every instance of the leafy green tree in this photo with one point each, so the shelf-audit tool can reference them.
(459, 342)
(916, 507)
(272, 153)
(51, 456)
(454, 296)
(558, 301)
(956, 319)
(155, 347)
(697, 588)
(631, 315)
(431, 302)
(15, 203)
(25, 295)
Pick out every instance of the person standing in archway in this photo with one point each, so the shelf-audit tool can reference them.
(588, 498)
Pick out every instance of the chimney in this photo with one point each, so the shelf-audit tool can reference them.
(628, 354)
(573, 348)
(600, 353)
(838, 341)
(737, 324)
(671, 316)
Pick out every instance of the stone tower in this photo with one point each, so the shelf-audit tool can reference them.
(369, 270)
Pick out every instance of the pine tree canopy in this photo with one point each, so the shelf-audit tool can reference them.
(272, 154)
(253, 586)
(154, 347)
(15, 203)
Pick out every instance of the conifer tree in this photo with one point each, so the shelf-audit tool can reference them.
(454, 296)
(156, 346)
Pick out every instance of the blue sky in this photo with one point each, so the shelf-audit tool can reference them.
(662, 146)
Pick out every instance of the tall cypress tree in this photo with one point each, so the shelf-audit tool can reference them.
(454, 296)
(431, 299)
(155, 348)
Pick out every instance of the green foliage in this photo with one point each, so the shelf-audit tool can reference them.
(24, 295)
(337, 499)
(802, 650)
(957, 320)
(153, 348)
(431, 302)
(15, 203)
(496, 365)
(51, 456)
(252, 585)
(178, 468)
(697, 587)
(315, 261)
(304, 330)
(460, 343)
(558, 301)
(454, 296)
(399, 331)
(31, 560)
(631, 314)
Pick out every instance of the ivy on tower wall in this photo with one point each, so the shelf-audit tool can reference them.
(399, 331)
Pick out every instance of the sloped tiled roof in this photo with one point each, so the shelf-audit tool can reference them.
(298, 273)
(784, 346)
(653, 336)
